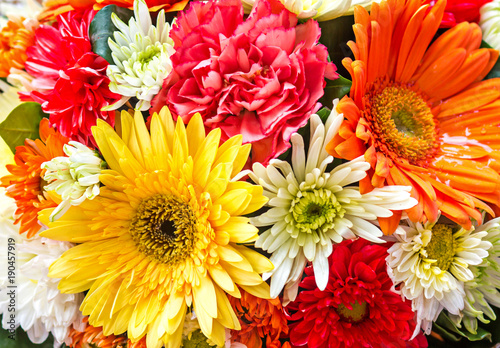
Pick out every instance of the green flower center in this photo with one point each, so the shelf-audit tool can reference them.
(315, 210)
(358, 313)
(144, 57)
(402, 122)
(164, 228)
(441, 246)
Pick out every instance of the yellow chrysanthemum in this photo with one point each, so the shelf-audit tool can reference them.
(162, 234)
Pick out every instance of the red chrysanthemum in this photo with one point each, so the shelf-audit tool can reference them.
(458, 11)
(260, 77)
(24, 184)
(261, 321)
(357, 308)
(70, 80)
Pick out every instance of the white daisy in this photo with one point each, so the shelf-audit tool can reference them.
(320, 10)
(312, 207)
(431, 263)
(483, 290)
(75, 177)
(40, 308)
(141, 53)
(490, 23)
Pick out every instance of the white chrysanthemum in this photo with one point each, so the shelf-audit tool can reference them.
(75, 178)
(483, 290)
(320, 10)
(141, 53)
(432, 262)
(311, 207)
(490, 23)
(39, 306)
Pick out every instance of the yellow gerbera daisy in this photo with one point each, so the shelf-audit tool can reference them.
(161, 236)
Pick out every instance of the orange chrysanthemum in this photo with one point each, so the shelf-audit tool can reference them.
(53, 8)
(420, 115)
(25, 182)
(94, 337)
(15, 38)
(260, 319)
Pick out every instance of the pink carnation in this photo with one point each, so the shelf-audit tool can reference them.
(70, 80)
(261, 77)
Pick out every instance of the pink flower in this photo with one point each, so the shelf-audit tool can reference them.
(261, 78)
(70, 80)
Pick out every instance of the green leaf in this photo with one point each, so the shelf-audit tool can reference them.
(335, 89)
(20, 340)
(495, 71)
(197, 340)
(22, 123)
(335, 34)
(447, 328)
(101, 28)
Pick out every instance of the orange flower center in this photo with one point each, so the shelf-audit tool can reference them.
(402, 122)
(357, 314)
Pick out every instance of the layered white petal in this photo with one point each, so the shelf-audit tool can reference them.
(310, 207)
(435, 283)
(40, 308)
(141, 53)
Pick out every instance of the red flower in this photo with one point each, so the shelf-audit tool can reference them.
(458, 11)
(357, 308)
(260, 77)
(70, 80)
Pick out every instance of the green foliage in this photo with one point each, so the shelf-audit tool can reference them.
(335, 34)
(22, 341)
(495, 71)
(21, 123)
(198, 340)
(101, 28)
(335, 89)
(445, 327)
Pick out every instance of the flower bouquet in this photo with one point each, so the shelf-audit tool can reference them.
(250, 173)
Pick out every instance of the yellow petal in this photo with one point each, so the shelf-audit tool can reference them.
(196, 134)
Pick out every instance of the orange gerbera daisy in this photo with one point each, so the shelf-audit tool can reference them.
(420, 115)
(260, 320)
(53, 8)
(94, 337)
(25, 182)
(15, 38)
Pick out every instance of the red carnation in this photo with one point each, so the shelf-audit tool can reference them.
(70, 80)
(260, 77)
(357, 308)
(458, 11)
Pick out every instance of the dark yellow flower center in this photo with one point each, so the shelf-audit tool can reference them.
(357, 314)
(441, 246)
(402, 123)
(164, 228)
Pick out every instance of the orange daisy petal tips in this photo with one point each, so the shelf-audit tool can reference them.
(15, 38)
(24, 184)
(419, 112)
(261, 320)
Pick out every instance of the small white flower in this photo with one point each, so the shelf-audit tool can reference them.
(483, 290)
(40, 308)
(141, 53)
(432, 262)
(75, 178)
(312, 207)
(490, 23)
(320, 10)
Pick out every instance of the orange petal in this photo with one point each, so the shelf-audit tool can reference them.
(389, 225)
